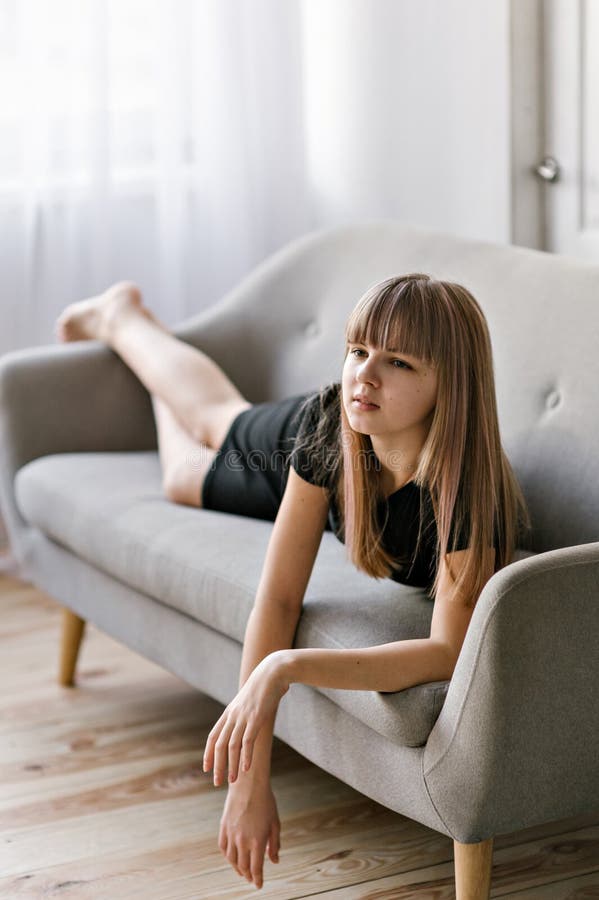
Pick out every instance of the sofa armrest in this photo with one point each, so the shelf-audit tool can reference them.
(516, 741)
(65, 398)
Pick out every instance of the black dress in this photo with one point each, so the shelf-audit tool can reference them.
(249, 474)
(250, 471)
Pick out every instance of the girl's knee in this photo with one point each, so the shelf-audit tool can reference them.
(181, 484)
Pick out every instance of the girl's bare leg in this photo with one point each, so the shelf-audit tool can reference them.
(185, 461)
(200, 395)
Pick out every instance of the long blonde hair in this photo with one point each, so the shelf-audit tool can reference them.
(462, 465)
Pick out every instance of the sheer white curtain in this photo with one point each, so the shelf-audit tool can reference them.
(144, 139)
(179, 142)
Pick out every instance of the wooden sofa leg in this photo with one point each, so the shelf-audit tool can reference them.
(473, 870)
(72, 633)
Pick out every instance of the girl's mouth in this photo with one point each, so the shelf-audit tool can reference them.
(364, 406)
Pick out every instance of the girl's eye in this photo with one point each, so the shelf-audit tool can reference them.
(402, 364)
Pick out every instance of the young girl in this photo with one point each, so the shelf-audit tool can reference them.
(401, 459)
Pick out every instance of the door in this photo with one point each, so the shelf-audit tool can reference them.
(555, 125)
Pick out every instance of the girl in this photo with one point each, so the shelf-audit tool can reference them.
(401, 459)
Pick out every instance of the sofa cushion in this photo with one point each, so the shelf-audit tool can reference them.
(109, 509)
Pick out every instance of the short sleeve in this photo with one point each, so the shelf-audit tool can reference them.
(315, 461)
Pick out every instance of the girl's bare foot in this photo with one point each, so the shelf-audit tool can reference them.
(94, 318)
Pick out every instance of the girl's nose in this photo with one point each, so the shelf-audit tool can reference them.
(367, 371)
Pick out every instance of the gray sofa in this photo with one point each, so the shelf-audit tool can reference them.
(511, 740)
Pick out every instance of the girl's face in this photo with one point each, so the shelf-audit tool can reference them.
(403, 388)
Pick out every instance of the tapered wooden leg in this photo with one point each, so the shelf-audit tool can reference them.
(473, 870)
(72, 633)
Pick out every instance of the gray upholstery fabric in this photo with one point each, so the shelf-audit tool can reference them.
(516, 742)
(508, 743)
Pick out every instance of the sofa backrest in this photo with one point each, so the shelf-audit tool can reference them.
(280, 332)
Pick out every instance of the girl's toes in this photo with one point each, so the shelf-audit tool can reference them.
(61, 329)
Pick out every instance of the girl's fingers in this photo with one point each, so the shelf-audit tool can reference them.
(220, 752)
(257, 864)
(243, 862)
(220, 757)
(232, 857)
(274, 843)
(223, 843)
(208, 760)
(231, 742)
(235, 744)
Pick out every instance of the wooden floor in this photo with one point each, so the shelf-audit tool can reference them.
(102, 795)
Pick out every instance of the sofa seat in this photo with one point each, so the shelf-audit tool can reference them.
(109, 509)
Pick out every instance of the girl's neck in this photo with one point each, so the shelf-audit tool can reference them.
(397, 466)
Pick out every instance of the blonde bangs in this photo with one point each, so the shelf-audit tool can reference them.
(397, 314)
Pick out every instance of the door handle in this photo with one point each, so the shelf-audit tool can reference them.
(548, 169)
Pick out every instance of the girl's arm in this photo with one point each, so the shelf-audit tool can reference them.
(384, 667)
(401, 664)
(250, 820)
(288, 564)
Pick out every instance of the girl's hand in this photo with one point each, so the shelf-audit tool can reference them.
(240, 723)
(250, 822)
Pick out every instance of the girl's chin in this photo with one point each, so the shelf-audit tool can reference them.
(357, 423)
